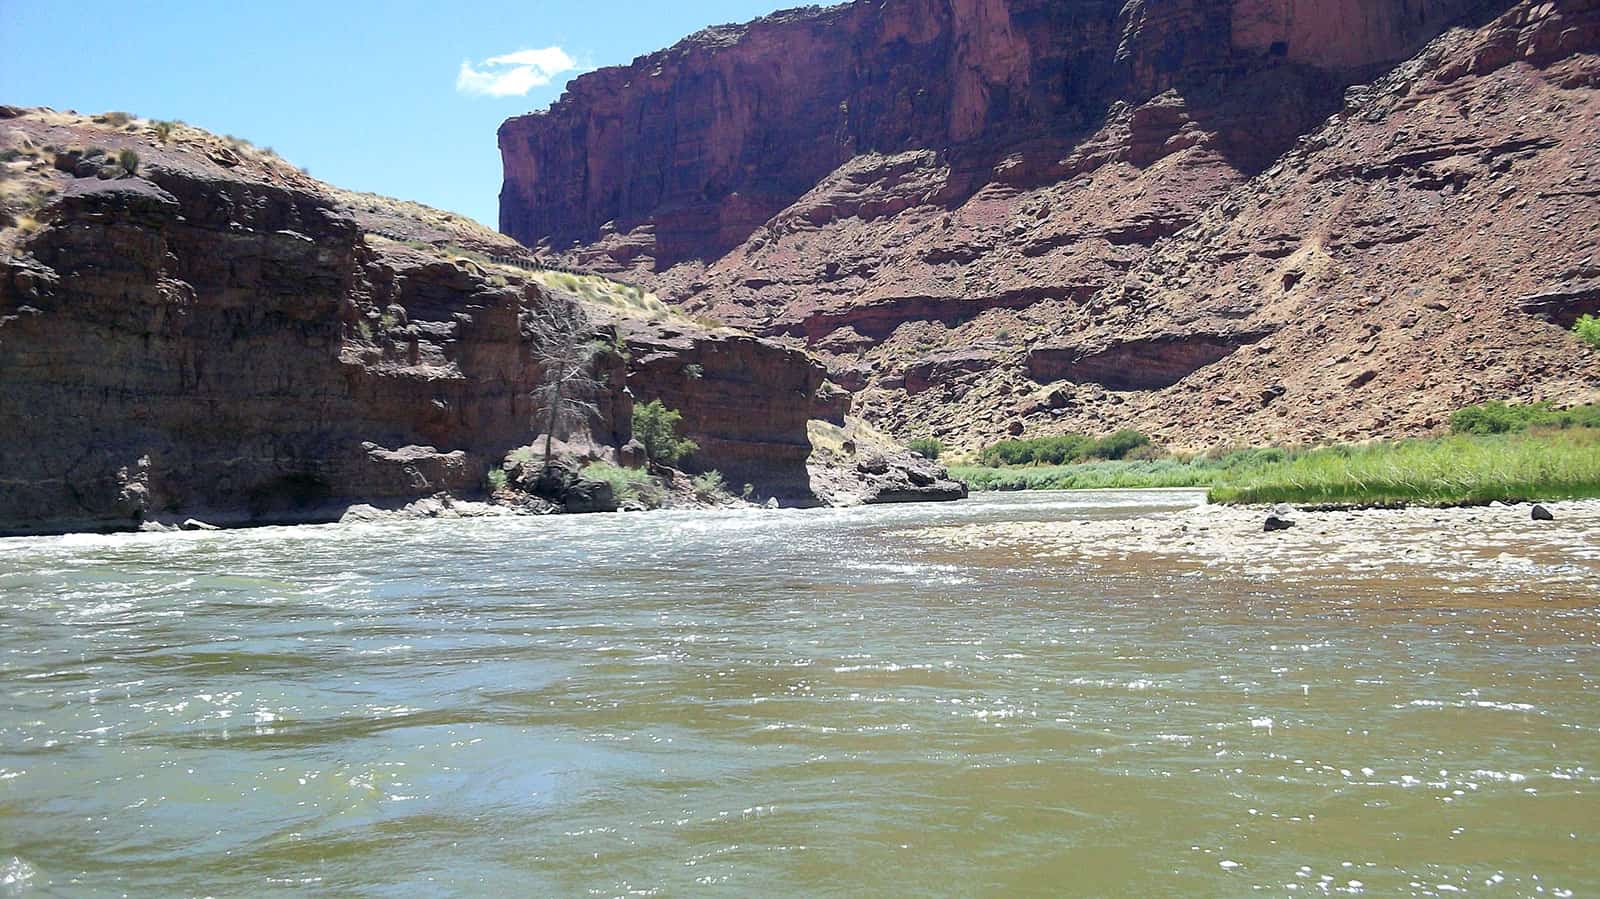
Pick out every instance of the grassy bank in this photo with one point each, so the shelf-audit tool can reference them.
(1501, 453)
(1457, 470)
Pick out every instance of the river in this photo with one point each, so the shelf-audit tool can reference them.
(776, 703)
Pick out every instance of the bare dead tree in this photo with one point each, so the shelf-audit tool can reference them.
(565, 350)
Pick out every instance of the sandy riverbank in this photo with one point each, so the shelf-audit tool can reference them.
(1496, 548)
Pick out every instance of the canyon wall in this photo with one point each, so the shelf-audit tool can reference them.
(219, 336)
(1015, 215)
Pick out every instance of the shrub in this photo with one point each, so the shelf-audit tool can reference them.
(656, 427)
(1061, 450)
(927, 447)
(695, 370)
(495, 480)
(163, 131)
(117, 119)
(710, 485)
(627, 484)
(1588, 330)
(1118, 445)
(1504, 418)
(128, 159)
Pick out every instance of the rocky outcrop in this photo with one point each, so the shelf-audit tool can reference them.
(1107, 200)
(235, 342)
(745, 402)
(852, 465)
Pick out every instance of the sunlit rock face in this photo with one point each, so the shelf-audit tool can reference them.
(1113, 214)
(710, 138)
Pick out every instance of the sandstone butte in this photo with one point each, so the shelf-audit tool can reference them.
(1223, 222)
(217, 335)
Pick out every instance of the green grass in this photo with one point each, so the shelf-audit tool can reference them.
(1450, 471)
(1085, 476)
(1114, 475)
(1463, 469)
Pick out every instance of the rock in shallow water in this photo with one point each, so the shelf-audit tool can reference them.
(1274, 523)
(1540, 513)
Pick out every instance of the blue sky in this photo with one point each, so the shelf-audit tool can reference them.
(400, 98)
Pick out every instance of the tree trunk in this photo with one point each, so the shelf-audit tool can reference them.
(550, 425)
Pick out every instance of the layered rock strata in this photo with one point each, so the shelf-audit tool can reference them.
(988, 215)
(218, 336)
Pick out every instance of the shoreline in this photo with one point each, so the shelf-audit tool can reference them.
(1493, 548)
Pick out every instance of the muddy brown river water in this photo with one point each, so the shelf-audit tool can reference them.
(885, 701)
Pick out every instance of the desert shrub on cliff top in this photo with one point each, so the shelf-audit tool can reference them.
(128, 159)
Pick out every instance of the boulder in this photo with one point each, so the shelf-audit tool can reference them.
(1274, 523)
(584, 495)
(1540, 513)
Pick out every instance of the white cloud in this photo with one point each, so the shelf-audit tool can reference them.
(514, 74)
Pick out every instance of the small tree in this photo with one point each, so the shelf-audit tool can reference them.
(656, 427)
(564, 348)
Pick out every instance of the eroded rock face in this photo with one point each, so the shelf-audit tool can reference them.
(852, 465)
(745, 402)
(238, 344)
(1107, 200)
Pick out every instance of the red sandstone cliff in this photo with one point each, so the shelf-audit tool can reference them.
(1020, 215)
(221, 336)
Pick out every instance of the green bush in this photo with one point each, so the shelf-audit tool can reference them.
(495, 480)
(656, 427)
(1505, 418)
(627, 484)
(1063, 450)
(926, 447)
(1118, 445)
(163, 130)
(710, 485)
(128, 159)
(1588, 330)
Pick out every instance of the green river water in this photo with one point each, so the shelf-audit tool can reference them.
(799, 703)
